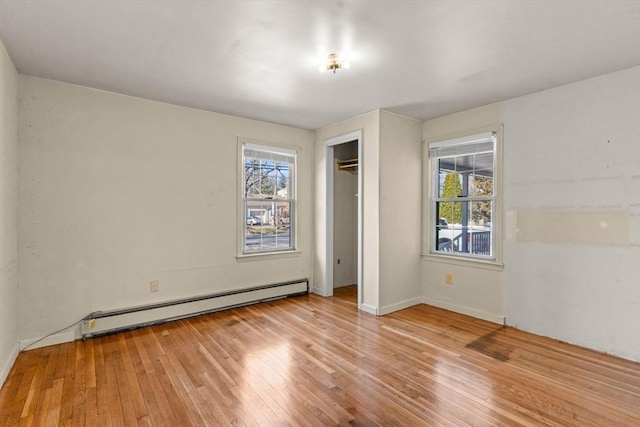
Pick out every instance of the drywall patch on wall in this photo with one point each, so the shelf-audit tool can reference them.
(573, 227)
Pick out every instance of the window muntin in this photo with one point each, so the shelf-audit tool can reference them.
(463, 196)
(268, 199)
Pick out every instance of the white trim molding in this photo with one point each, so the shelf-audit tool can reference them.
(4, 372)
(369, 309)
(400, 305)
(489, 317)
(320, 291)
(61, 338)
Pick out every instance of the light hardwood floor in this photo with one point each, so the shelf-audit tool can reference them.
(308, 361)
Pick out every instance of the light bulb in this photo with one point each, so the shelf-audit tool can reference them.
(334, 63)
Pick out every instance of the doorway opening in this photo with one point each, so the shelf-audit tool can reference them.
(344, 213)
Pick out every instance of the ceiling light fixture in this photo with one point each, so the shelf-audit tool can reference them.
(334, 63)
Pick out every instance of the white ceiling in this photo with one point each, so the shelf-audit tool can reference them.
(259, 59)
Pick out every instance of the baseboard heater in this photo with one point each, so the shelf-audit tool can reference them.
(108, 322)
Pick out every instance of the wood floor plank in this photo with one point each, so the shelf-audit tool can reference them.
(89, 408)
(116, 402)
(68, 390)
(14, 386)
(319, 361)
(130, 380)
(53, 412)
(159, 408)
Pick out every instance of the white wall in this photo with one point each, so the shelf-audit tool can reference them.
(391, 208)
(571, 217)
(477, 289)
(369, 167)
(116, 191)
(8, 214)
(400, 212)
(345, 236)
(572, 192)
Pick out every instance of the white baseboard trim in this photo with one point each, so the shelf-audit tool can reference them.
(489, 317)
(319, 291)
(400, 305)
(369, 309)
(6, 368)
(50, 340)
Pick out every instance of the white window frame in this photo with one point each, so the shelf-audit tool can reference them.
(430, 197)
(277, 149)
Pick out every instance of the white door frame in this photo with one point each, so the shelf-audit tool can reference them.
(329, 143)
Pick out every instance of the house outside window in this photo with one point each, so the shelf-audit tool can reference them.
(268, 199)
(463, 196)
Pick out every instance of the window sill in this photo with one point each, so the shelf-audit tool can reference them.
(267, 255)
(467, 262)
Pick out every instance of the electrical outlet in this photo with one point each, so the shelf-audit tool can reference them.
(449, 278)
(154, 286)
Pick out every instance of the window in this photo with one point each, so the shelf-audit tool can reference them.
(268, 199)
(463, 196)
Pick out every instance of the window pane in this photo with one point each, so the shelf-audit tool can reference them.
(465, 164)
(282, 213)
(450, 183)
(481, 184)
(443, 211)
(450, 212)
(282, 180)
(258, 178)
(483, 160)
(480, 214)
(481, 242)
